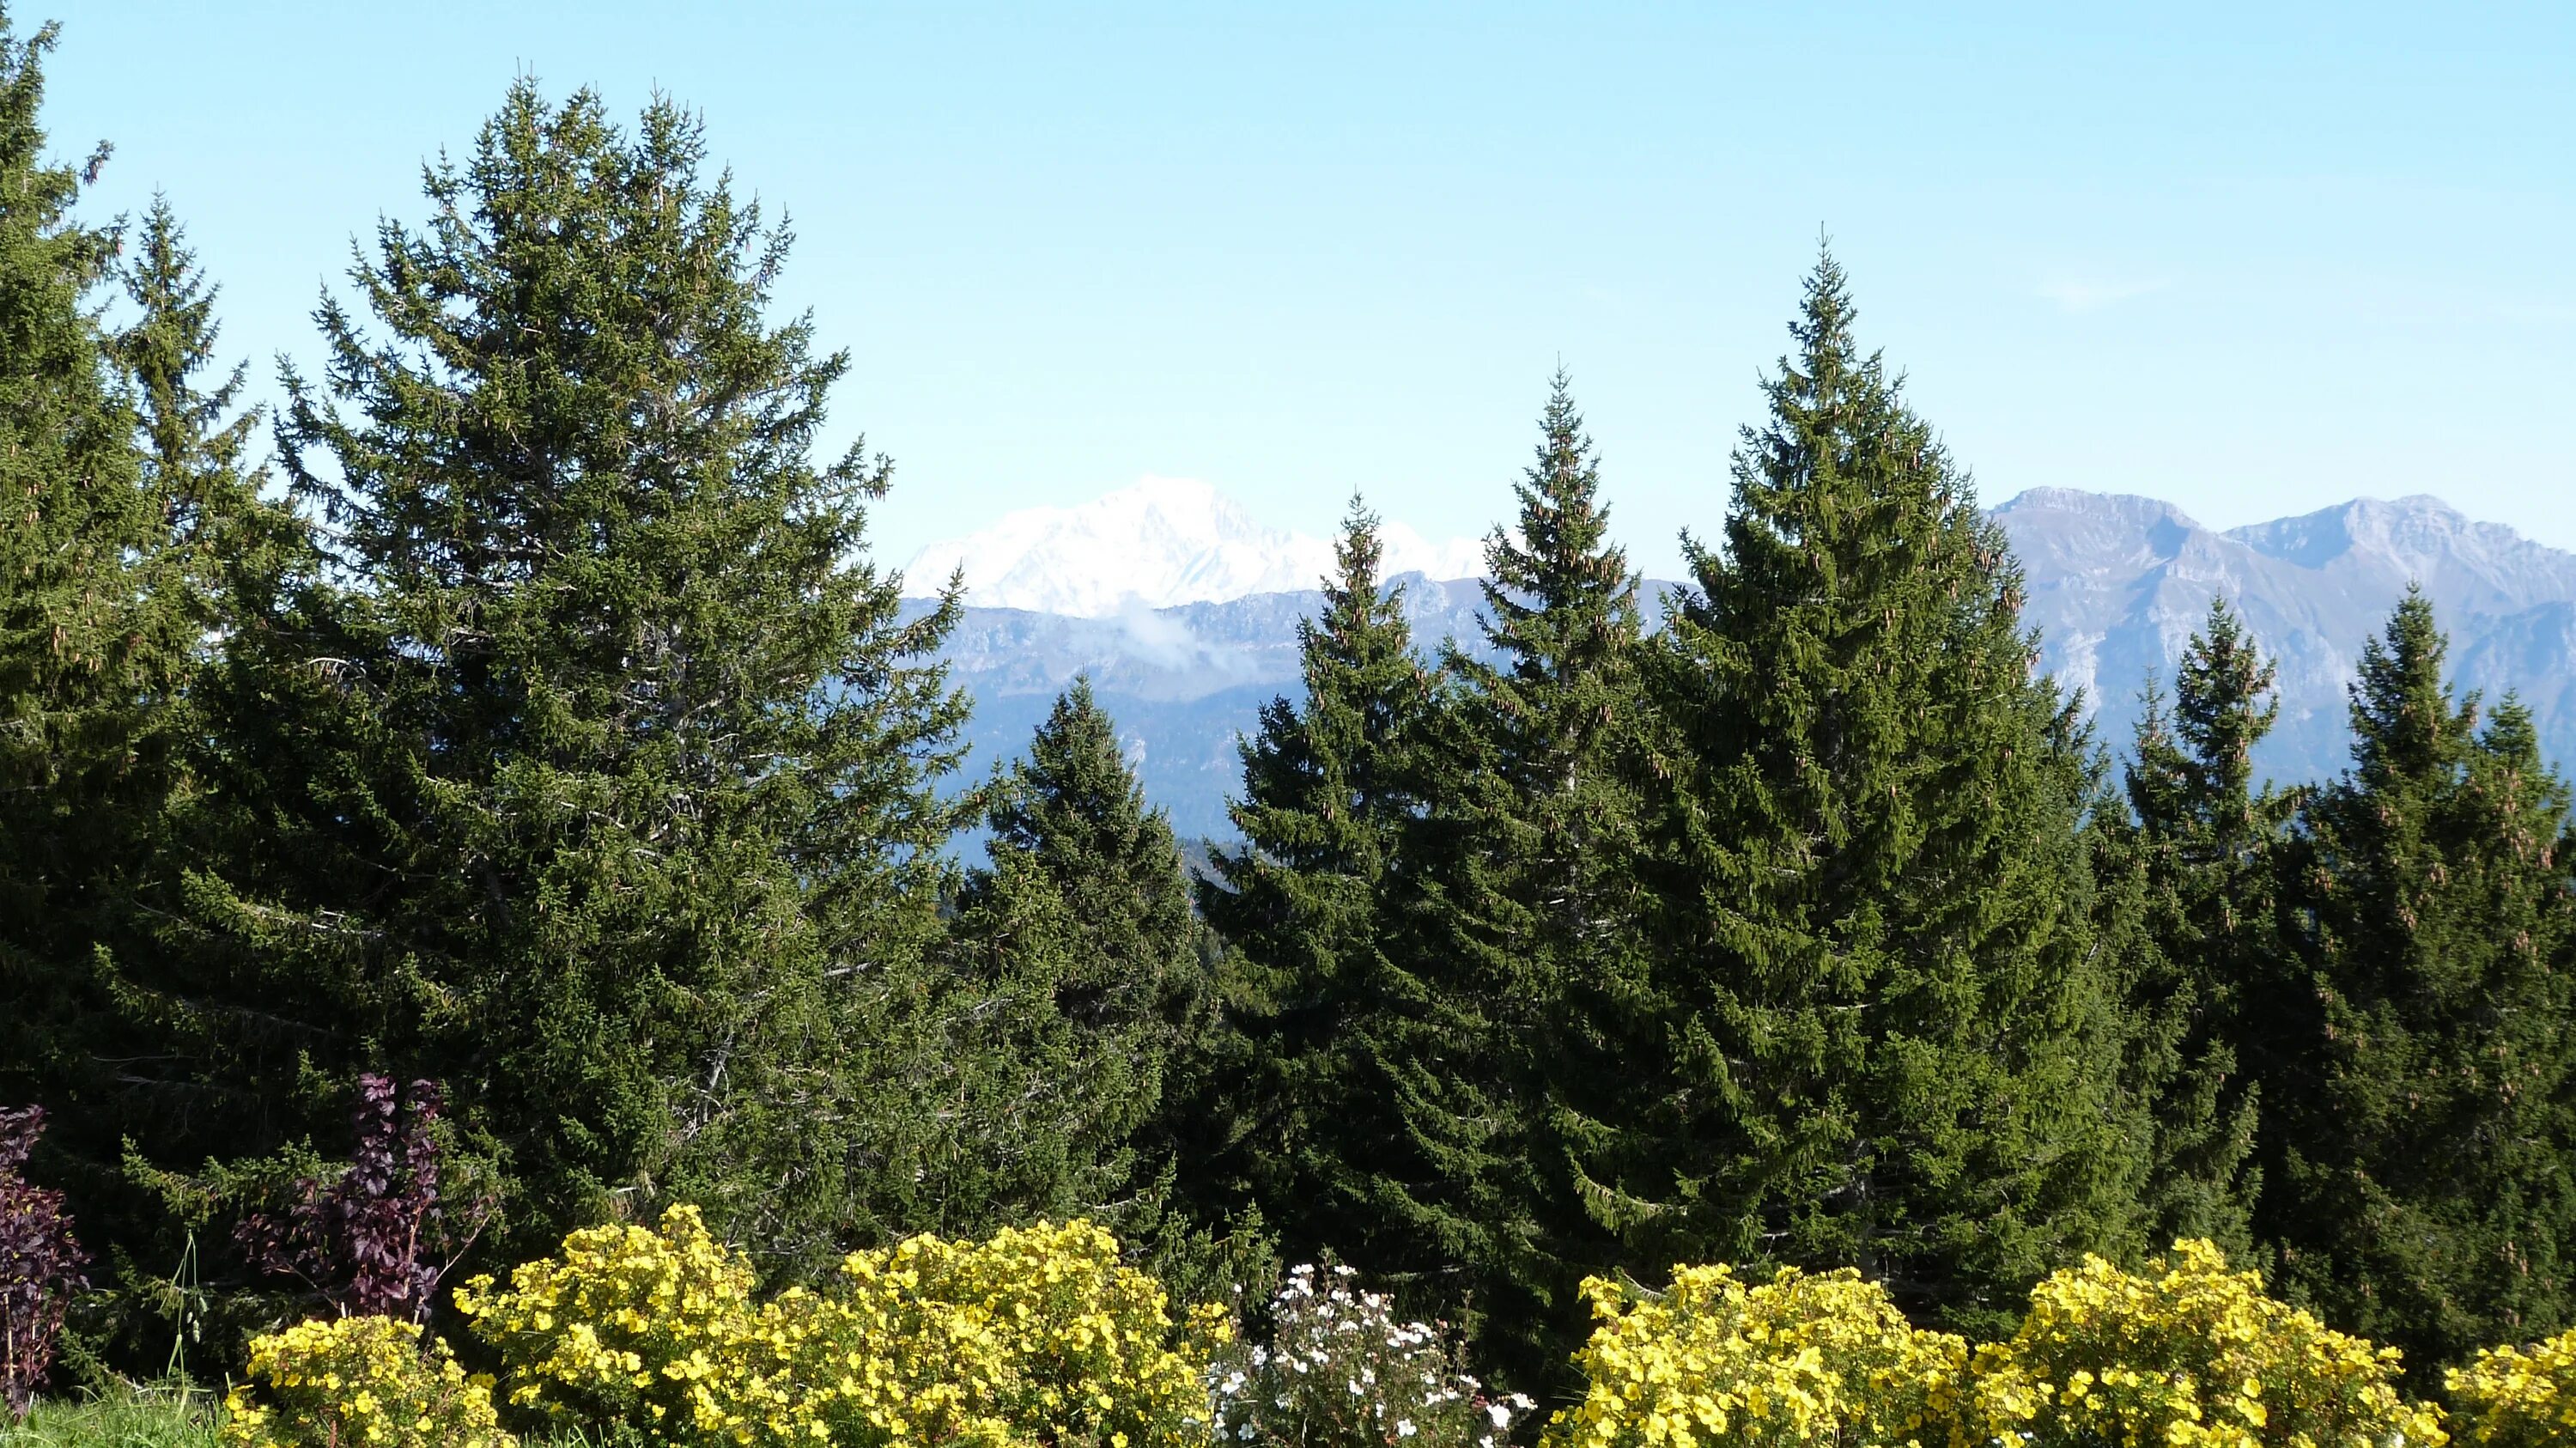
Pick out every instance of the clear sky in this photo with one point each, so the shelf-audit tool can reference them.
(2255, 259)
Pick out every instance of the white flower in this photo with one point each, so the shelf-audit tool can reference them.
(1501, 1415)
(1404, 1427)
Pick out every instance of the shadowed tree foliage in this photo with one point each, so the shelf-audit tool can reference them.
(94, 636)
(1878, 1030)
(1083, 916)
(589, 770)
(1526, 924)
(1319, 988)
(131, 526)
(2419, 1135)
(2200, 841)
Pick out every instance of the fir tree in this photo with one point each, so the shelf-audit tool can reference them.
(1308, 907)
(216, 552)
(95, 639)
(195, 441)
(591, 774)
(2202, 841)
(1528, 917)
(1074, 812)
(1081, 936)
(2418, 1188)
(1885, 1040)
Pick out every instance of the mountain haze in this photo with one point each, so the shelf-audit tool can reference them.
(1159, 543)
(1183, 610)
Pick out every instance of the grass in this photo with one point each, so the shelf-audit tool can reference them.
(152, 1418)
(136, 1420)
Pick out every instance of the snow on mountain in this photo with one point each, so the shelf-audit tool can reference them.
(2116, 586)
(1158, 544)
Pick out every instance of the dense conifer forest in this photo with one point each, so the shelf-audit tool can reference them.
(511, 738)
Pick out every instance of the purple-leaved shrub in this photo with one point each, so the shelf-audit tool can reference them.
(373, 1240)
(40, 1263)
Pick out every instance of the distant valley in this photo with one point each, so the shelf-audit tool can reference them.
(2117, 584)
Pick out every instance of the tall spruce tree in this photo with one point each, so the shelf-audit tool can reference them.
(1527, 938)
(2420, 1182)
(1074, 811)
(195, 440)
(95, 635)
(2202, 840)
(1078, 942)
(212, 543)
(1319, 984)
(591, 774)
(1886, 1042)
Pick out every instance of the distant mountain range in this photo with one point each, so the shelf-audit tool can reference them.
(1158, 544)
(1171, 599)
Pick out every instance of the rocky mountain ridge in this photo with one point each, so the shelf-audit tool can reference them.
(2116, 585)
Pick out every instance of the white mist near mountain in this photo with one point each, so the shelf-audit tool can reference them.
(1162, 542)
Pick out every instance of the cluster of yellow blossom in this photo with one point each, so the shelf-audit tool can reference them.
(359, 1381)
(2185, 1354)
(625, 1325)
(1035, 1335)
(2518, 1397)
(1803, 1358)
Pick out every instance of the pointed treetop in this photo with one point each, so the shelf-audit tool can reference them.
(194, 439)
(1358, 553)
(1559, 556)
(1823, 325)
(2404, 722)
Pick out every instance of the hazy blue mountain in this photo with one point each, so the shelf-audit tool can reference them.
(2116, 585)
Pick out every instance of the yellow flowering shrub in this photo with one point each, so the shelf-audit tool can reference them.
(358, 1381)
(1822, 1359)
(1034, 1336)
(2186, 1354)
(2517, 1397)
(626, 1325)
(1041, 1327)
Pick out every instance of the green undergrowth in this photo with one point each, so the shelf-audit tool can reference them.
(155, 1419)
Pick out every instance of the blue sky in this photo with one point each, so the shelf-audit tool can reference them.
(2253, 259)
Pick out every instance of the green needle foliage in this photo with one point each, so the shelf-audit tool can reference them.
(1886, 1039)
(590, 770)
(2202, 842)
(1083, 920)
(125, 530)
(1531, 901)
(1318, 983)
(2421, 1130)
(93, 639)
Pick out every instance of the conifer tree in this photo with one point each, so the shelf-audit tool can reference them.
(1079, 940)
(2202, 840)
(2418, 1184)
(1529, 921)
(195, 441)
(94, 641)
(215, 548)
(1886, 1041)
(1074, 812)
(1318, 982)
(591, 773)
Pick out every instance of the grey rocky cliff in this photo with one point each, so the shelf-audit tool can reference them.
(2116, 586)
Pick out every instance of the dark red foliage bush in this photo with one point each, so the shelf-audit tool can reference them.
(40, 1263)
(375, 1239)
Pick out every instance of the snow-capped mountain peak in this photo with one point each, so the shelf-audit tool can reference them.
(1160, 542)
